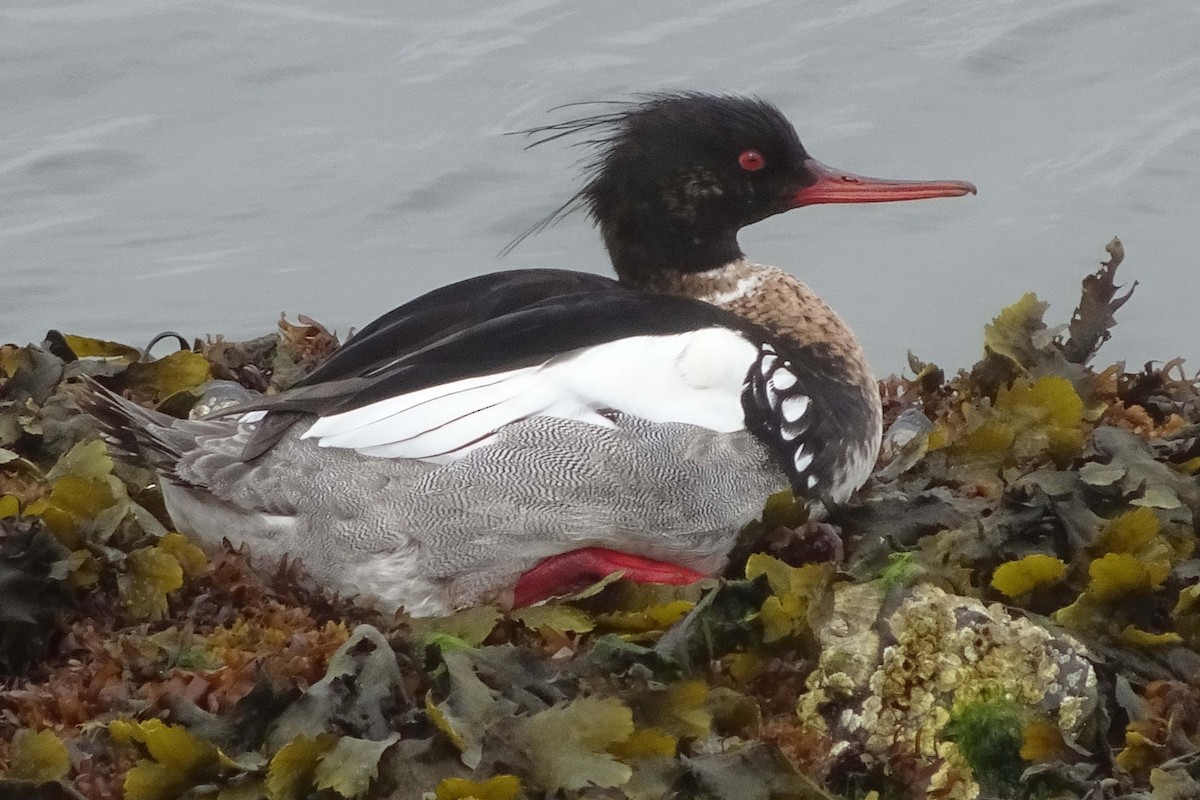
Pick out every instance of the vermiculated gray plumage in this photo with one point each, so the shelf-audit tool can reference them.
(433, 538)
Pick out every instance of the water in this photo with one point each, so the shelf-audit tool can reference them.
(203, 166)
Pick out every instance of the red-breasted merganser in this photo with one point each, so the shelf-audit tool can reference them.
(504, 436)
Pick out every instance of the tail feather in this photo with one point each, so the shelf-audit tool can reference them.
(137, 434)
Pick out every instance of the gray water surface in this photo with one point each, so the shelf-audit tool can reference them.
(203, 166)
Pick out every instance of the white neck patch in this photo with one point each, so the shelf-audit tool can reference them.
(749, 279)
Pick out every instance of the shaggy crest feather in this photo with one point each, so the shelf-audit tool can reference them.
(650, 116)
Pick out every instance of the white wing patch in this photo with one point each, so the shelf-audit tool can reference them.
(695, 377)
(794, 407)
(783, 380)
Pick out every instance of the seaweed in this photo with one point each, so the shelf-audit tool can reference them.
(1009, 608)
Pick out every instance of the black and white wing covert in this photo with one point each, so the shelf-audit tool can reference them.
(803, 407)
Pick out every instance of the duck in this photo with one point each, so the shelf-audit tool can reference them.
(508, 436)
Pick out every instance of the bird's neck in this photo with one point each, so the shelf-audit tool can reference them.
(645, 242)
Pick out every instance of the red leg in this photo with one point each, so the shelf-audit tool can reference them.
(561, 574)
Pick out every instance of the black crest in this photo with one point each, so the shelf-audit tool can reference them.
(662, 173)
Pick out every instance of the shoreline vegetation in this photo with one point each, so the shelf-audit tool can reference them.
(1016, 613)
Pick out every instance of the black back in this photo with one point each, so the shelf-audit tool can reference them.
(447, 310)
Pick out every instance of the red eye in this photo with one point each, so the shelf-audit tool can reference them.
(751, 160)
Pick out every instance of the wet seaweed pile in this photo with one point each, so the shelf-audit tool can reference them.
(1016, 614)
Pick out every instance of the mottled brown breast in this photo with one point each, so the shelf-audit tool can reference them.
(770, 297)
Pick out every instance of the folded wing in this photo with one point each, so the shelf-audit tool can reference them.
(695, 377)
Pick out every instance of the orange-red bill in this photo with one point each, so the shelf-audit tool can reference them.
(835, 186)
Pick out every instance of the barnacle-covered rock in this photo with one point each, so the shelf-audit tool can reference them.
(894, 675)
